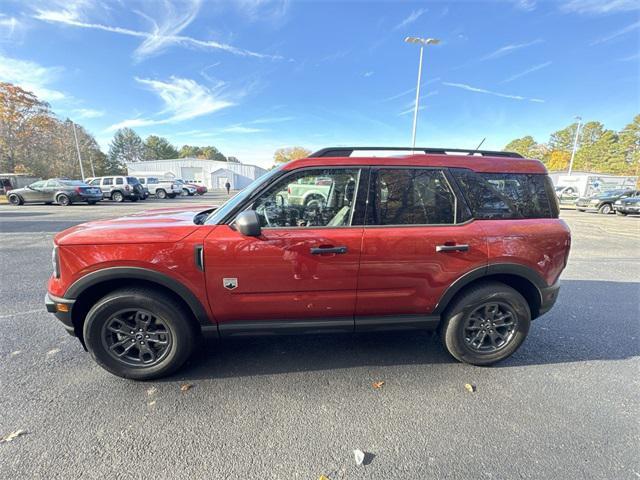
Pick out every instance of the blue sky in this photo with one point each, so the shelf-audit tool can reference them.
(250, 76)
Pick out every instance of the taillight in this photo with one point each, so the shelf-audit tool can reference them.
(127, 188)
(78, 190)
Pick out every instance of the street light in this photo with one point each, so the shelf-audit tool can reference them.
(575, 145)
(422, 42)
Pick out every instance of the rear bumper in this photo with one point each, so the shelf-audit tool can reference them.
(57, 306)
(549, 295)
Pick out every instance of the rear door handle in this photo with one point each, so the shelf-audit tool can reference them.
(452, 248)
(323, 250)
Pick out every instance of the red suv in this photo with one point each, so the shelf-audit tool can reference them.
(465, 242)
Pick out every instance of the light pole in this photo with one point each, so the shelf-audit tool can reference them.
(75, 135)
(575, 145)
(422, 42)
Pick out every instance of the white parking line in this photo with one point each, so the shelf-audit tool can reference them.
(17, 314)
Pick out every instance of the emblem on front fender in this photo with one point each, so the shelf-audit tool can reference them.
(230, 283)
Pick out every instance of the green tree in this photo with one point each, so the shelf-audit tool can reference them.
(205, 153)
(126, 146)
(158, 148)
(189, 151)
(629, 138)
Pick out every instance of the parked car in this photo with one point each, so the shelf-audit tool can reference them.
(444, 239)
(10, 181)
(200, 188)
(118, 188)
(603, 202)
(187, 188)
(627, 206)
(59, 190)
(161, 188)
(566, 194)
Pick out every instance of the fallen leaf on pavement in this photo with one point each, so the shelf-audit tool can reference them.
(378, 385)
(53, 351)
(322, 477)
(470, 388)
(151, 403)
(185, 387)
(152, 391)
(11, 436)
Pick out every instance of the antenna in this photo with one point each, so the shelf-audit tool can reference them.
(478, 147)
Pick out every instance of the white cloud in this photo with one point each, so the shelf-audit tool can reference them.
(32, 77)
(410, 90)
(87, 113)
(630, 58)
(526, 72)
(413, 16)
(272, 10)
(411, 110)
(183, 99)
(367, 74)
(165, 31)
(241, 129)
(8, 25)
(617, 33)
(598, 7)
(507, 49)
(469, 88)
(526, 5)
(268, 120)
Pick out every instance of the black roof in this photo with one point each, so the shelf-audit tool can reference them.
(347, 151)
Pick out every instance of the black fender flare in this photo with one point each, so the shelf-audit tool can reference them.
(139, 273)
(493, 269)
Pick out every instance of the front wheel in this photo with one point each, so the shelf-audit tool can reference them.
(15, 200)
(139, 334)
(605, 209)
(161, 194)
(486, 324)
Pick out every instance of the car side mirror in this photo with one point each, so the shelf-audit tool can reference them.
(248, 223)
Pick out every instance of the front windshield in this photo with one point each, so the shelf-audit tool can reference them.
(217, 216)
(612, 193)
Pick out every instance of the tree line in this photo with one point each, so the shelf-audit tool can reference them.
(34, 140)
(599, 149)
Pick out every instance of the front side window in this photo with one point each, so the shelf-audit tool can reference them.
(95, 181)
(507, 195)
(310, 198)
(411, 196)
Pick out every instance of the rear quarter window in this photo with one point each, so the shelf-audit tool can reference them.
(507, 195)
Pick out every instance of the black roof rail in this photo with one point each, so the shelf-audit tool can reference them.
(347, 151)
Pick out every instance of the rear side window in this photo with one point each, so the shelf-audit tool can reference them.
(507, 195)
(132, 180)
(119, 181)
(107, 181)
(411, 196)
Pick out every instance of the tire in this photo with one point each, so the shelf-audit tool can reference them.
(169, 323)
(117, 197)
(161, 194)
(605, 209)
(185, 192)
(458, 327)
(48, 203)
(63, 200)
(15, 200)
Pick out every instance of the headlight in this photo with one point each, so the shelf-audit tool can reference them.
(618, 202)
(595, 201)
(55, 260)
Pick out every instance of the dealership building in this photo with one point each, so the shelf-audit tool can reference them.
(212, 173)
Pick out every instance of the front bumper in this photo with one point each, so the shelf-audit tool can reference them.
(626, 209)
(549, 295)
(61, 308)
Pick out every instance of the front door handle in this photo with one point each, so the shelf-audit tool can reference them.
(452, 248)
(323, 250)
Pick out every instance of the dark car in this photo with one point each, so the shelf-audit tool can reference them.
(59, 190)
(603, 202)
(627, 206)
(440, 239)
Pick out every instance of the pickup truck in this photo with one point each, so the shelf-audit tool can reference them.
(161, 188)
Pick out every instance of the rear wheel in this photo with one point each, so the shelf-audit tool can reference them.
(185, 192)
(139, 334)
(63, 200)
(161, 194)
(15, 200)
(605, 209)
(486, 324)
(117, 197)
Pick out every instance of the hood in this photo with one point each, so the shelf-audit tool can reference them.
(167, 225)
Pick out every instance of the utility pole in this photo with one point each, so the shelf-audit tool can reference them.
(75, 135)
(422, 42)
(575, 145)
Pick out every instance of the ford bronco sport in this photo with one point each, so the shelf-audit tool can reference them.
(465, 242)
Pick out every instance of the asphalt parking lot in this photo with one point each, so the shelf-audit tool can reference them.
(566, 405)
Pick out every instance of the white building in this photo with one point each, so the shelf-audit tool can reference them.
(212, 173)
